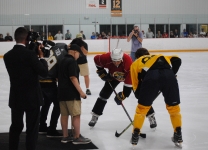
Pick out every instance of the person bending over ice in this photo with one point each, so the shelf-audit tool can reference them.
(118, 65)
(157, 73)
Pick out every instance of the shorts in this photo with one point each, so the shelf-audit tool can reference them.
(163, 80)
(72, 108)
(84, 69)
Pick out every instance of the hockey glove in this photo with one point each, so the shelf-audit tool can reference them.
(119, 98)
(103, 75)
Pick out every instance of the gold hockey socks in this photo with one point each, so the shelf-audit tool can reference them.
(140, 115)
(175, 116)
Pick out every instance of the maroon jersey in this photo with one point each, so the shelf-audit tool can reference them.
(120, 73)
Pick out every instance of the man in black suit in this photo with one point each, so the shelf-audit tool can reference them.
(23, 67)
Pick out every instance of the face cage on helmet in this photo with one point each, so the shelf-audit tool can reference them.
(116, 59)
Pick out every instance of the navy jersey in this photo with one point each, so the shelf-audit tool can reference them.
(57, 53)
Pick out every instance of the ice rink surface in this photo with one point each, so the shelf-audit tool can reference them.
(193, 84)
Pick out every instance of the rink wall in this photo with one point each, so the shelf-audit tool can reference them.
(153, 45)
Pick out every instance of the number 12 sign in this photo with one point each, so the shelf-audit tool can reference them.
(116, 8)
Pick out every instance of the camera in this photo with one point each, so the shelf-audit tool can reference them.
(33, 45)
(136, 31)
(33, 36)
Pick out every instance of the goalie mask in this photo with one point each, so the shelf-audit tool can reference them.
(117, 54)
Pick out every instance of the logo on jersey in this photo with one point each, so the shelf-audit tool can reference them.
(120, 76)
(58, 52)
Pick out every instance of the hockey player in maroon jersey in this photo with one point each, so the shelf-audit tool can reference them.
(118, 65)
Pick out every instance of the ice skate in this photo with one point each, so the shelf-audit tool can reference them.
(152, 120)
(177, 137)
(88, 92)
(93, 120)
(135, 137)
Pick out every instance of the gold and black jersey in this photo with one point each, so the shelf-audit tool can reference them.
(149, 62)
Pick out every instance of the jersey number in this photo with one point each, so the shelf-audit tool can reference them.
(116, 3)
(145, 59)
(51, 60)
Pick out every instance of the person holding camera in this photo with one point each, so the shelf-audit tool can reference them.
(24, 67)
(137, 37)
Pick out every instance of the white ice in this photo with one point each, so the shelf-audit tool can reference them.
(193, 84)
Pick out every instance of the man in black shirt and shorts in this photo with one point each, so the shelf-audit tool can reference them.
(69, 95)
(82, 61)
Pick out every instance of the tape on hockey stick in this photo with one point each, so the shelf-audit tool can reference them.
(143, 135)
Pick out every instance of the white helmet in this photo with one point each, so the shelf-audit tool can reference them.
(117, 54)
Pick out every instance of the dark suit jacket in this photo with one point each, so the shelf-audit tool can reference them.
(23, 67)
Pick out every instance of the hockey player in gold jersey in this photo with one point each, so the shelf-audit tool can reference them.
(150, 75)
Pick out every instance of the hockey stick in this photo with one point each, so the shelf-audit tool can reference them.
(121, 102)
(143, 135)
(117, 43)
(119, 134)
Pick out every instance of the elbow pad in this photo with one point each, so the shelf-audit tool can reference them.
(176, 63)
(136, 93)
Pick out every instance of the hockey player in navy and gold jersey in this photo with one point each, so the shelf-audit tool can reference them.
(49, 91)
(151, 74)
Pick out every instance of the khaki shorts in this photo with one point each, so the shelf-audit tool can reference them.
(84, 69)
(72, 108)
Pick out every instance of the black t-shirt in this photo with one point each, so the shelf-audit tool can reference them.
(172, 36)
(84, 37)
(66, 89)
(83, 59)
(176, 34)
(8, 38)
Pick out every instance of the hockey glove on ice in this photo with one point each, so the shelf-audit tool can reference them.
(103, 75)
(119, 98)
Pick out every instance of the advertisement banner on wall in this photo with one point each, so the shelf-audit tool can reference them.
(92, 3)
(102, 4)
(116, 8)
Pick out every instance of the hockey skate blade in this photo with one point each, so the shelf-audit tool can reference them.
(133, 146)
(179, 145)
(153, 129)
(91, 127)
